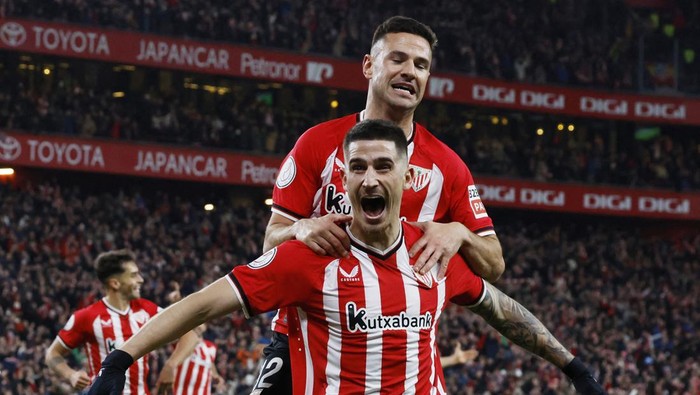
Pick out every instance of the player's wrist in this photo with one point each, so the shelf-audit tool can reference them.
(118, 360)
(575, 368)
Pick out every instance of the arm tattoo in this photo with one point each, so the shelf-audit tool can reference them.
(519, 325)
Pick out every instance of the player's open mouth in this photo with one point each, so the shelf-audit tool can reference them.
(373, 206)
(405, 87)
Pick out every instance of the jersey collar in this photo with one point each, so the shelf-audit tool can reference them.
(381, 254)
(116, 310)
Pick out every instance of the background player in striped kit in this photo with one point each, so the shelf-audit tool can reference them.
(309, 202)
(107, 323)
(368, 320)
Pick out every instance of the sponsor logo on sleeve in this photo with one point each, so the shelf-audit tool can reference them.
(264, 259)
(287, 173)
(475, 202)
(70, 323)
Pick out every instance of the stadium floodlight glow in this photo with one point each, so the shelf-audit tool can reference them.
(468, 125)
(268, 202)
(208, 207)
(504, 121)
(571, 127)
(47, 71)
(540, 131)
(6, 171)
(494, 120)
(334, 103)
(560, 127)
(118, 94)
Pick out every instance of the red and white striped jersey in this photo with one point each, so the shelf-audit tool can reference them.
(193, 376)
(101, 328)
(367, 323)
(310, 185)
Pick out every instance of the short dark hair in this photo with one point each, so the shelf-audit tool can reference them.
(402, 24)
(110, 263)
(378, 129)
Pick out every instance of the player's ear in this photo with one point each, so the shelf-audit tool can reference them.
(408, 178)
(344, 176)
(367, 66)
(113, 283)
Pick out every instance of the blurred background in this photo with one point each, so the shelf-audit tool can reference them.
(158, 126)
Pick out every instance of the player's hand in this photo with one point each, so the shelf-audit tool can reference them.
(325, 235)
(174, 295)
(166, 378)
(583, 380)
(464, 356)
(219, 382)
(440, 242)
(110, 380)
(79, 380)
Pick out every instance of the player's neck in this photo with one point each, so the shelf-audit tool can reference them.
(402, 118)
(117, 301)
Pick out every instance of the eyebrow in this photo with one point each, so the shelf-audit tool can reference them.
(405, 55)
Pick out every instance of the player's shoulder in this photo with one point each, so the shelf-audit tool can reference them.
(298, 250)
(92, 310)
(331, 132)
(143, 304)
(428, 143)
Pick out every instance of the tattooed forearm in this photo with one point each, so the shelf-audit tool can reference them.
(520, 326)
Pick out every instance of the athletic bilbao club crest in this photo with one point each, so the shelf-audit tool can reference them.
(421, 177)
(425, 279)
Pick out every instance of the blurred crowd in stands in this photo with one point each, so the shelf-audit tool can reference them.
(591, 43)
(268, 121)
(623, 296)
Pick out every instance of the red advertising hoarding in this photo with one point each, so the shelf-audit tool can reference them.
(239, 61)
(144, 160)
(191, 164)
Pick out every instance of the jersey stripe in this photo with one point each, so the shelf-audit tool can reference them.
(331, 308)
(412, 309)
(432, 199)
(373, 298)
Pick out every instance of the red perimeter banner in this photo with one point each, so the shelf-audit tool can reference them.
(86, 42)
(586, 199)
(136, 159)
(190, 164)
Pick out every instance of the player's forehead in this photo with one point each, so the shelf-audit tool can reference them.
(404, 43)
(371, 150)
(130, 268)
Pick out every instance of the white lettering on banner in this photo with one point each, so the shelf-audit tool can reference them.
(663, 205)
(594, 201)
(439, 87)
(659, 110)
(69, 40)
(542, 197)
(318, 72)
(65, 153)
(183, 55)
(259, 67)
(258, 174)
(604, 106)
(545, 100)
(494, 94)
(181, 164)
(497, 193)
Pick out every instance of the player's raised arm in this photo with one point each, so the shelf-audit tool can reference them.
(519, 325)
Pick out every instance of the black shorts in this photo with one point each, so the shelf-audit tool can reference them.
(275, 377)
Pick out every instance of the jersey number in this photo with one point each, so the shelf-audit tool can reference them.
(272, 366)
